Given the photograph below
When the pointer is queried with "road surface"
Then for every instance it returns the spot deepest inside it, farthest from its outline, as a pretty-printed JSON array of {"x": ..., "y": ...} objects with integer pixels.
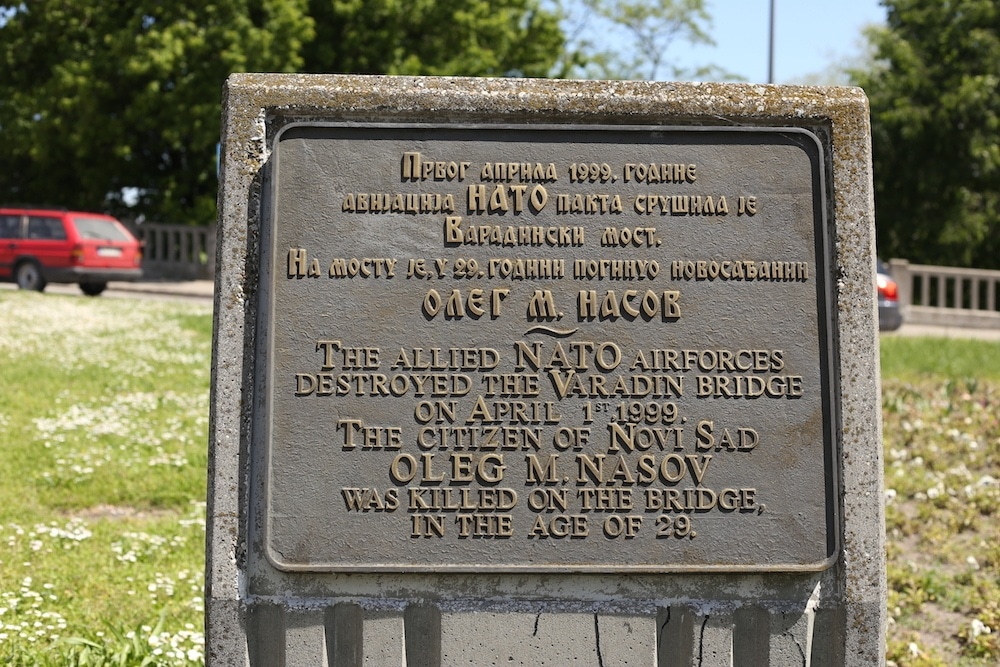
[
  {"x": 192, "y": 290},
  {"x": 202, "y": 290}
]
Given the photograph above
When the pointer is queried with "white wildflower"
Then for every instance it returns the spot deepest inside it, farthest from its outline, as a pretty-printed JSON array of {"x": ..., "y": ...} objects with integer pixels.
[{"x": 980, "y": 628}]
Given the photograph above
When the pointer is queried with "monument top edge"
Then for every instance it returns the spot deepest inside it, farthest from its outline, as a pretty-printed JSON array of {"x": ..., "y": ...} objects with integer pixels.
[{"x": 726, "y": 102}]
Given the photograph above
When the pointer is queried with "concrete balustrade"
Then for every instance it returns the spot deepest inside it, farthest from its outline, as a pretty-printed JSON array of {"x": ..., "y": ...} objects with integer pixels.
[
  {"x": 176, "y": 252},
  {"x": 947, "y": 296}
]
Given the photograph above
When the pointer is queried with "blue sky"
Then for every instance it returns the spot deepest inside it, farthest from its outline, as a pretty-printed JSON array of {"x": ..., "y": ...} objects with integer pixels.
[{"x": 810, "y": 35}]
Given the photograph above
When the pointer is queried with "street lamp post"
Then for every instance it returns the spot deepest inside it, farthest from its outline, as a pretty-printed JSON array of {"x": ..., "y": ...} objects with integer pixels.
[{"x": 770, "y": 46}]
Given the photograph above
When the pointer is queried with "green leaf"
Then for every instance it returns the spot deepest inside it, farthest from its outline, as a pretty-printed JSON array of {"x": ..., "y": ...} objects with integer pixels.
[{"x": 934, "y": 88}]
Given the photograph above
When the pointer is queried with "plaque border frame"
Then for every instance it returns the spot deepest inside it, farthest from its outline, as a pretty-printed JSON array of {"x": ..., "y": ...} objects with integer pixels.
[{"x": 822, "y": 241}]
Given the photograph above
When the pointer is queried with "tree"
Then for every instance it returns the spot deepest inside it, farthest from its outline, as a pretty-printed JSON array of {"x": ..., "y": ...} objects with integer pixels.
[
  {"x": 936, "y": 131},
  {"x": 103, "y": 103},
  {"x": 647, "y": 30},
  {"x": 100, "y": 101},
  {"x": 434, "y": 37}
]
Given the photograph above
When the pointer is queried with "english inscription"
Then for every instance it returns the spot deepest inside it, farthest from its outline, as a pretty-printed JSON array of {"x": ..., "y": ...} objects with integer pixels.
[{"x": 597, "y": 349}]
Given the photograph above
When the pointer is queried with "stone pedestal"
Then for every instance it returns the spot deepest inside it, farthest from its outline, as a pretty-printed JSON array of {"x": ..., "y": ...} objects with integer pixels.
[{"x": 544, "y": 372}]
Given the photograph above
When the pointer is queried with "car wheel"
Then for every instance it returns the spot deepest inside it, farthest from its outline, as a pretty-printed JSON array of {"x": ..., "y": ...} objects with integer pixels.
[
  {"x": 29, "y": 276},
  {"x": 92, "y": 289}
]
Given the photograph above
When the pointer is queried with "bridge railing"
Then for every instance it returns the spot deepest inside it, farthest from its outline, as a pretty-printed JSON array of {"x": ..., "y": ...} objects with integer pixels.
[
  {"x": 947, "y": 296},
  {"x": 176, "y": 252},
  {"x": 935, "y": 295}
]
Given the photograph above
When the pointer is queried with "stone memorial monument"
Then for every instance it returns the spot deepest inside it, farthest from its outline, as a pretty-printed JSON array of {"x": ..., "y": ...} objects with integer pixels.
[{"x": 544, "y": 373}]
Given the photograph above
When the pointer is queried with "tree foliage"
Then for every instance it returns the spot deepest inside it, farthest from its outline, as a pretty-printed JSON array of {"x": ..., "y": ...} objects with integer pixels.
[
  {"x": 433, "y": 37},
  {"x": 646, "y": 32},
  {"x": 104, "y": 101},
  {"x": 936, "y": 131},
  {"x": 102, "y": 98}
]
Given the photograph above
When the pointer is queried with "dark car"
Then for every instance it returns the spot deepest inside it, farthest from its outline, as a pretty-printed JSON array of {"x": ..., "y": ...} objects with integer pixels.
[
  {"x": 41, "y": 246},
  {"x": 890, "y": 317}
]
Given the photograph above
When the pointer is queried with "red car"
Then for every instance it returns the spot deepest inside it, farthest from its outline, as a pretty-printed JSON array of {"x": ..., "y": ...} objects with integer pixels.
[
  {"x": 890, "y": 317},
  {"x": 41, "y": 246}
]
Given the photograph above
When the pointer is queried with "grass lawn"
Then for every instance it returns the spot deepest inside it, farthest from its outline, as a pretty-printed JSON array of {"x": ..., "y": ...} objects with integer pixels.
[
  {"x": 104, "y": 424},
  {"x": 941, "y": 424}
]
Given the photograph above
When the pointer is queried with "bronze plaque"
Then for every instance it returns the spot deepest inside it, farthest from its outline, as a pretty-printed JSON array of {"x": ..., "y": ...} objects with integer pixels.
[{"x": 539, "y": 348}]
